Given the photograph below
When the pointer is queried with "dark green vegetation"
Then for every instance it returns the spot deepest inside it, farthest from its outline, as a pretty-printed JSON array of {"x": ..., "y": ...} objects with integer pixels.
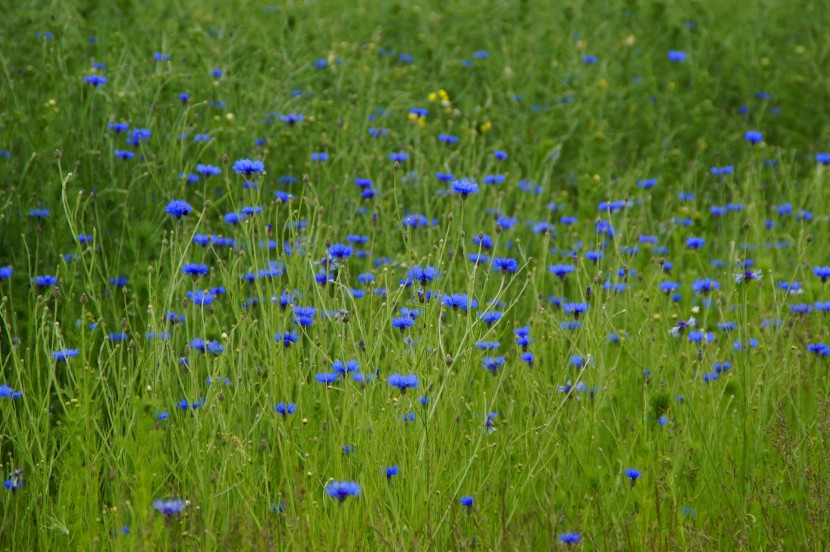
[{"x": 728, "y": 456}]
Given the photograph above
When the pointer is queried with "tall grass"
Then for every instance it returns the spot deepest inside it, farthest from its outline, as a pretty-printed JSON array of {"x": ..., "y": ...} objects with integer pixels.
[{"x": 542, "y": 448}]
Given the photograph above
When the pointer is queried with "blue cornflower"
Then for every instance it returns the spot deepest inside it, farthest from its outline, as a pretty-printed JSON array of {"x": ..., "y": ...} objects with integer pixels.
[
  {"x": 527, "y": 357},
  {"x": 505, "y": 264},
  {"x": 459, "y": 301},
  {"x": 95, "y": 80},
  {"x": 595, "y": 256},
  {"x": 488, "y": 345},
  {"x": 341, "y": 490},
  {"x": 447, "y": 138},
  {"x": 126, "y": 155},
  {"x": 669, "y": 287},
  {"x": 464, "y": 187},
  {"x": 195, "y": 269},
  {"x": 493, "y": 179},
  {"x": 158, "y": 56},
  {"x": 698, "y": 336},
  {"x": 292, "y": 119},
  {"x": 7, "y": 392},
  {"x": 647, "y": 183},
  {"x": 676, "y": 56},
  {"x": 822, "y": 272},
  {"x": 327, "y": 378},
  {"x": 170, "y": 507},
  {"x": 208, "y": 170},
  {"x": 704, "y": 286},
  {"x": 15, "y": 481},
  {"x": 342, "y": 368},
  {"x": 561, "y": 270},
  {"x": 569, "y": 538},
  {"x": 403, "y": 322},
  {"x": 40, "y": 212},
  {"x": 753, "y": 136},
  {"x": 64, "y": 354},
  {"x": 118, "y": 127},
  {"x": 5, "y": 273},
  {"x": 490, "y": 317},
  {"x": 340, "y": 251},
  {"x": 493, "y": 364},
  {"x": 575, "y": 308},
  {"x": 45, "y": 280},
  {"x": 484, "y": 241},
  {"x": 217, "y": 73},
  {"x": 201, "y": 297},
  {"x": 399, "y": 157},
  {"x": 248, "y": 168},
  {"x": 751, "y": 343},
  {"x": 391, "y": 471},
  {"x": 287, "y": 338},
  {"x": 403, "y": 382},
  {"x": 633, "y": 475},
  {"x": 178, "y": 208},
  {"x": 320, "y": 156},
  {"x": 823, "y": 158},
  {"x": 801, "y": 308},
  {"x": 695, "y": 243},
  {"x": 579, "y": 361},
  {"x": 284, "y": 409},
  {"x": 819, "y": 349},
  {"x": 466, "y": 501},
  {"x": 500, "y": 155},
  {"x": 138, "y": 136},
  {"x": 423, "y": 275}
]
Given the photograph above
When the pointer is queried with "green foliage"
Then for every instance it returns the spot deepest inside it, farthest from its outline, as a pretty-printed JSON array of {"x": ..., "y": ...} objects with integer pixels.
[{"x": 729, "y": 462}]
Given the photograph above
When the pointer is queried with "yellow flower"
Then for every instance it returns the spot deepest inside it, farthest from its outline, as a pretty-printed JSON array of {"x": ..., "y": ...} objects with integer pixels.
[
  {"x": 432, "y": 97},
  {"x": 486, "y": 126}
]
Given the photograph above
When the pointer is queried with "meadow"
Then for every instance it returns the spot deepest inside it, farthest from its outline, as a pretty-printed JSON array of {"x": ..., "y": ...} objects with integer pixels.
[{"x": 414, "y": 275}]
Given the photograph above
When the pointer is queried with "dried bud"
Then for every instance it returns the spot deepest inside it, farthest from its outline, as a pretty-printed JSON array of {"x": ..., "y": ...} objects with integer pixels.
[
  {"x": 58, "y": 154},
  {"x": 84, "y": 298},
  {"x": 225, "y": 158}
]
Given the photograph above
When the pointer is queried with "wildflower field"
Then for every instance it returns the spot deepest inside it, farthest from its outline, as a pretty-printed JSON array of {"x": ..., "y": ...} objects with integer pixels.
[{"x": 415, "y": 275}]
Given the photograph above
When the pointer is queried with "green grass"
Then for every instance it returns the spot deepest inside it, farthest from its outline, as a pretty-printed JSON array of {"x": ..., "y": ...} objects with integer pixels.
[{"x": 739, "y": 462}]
